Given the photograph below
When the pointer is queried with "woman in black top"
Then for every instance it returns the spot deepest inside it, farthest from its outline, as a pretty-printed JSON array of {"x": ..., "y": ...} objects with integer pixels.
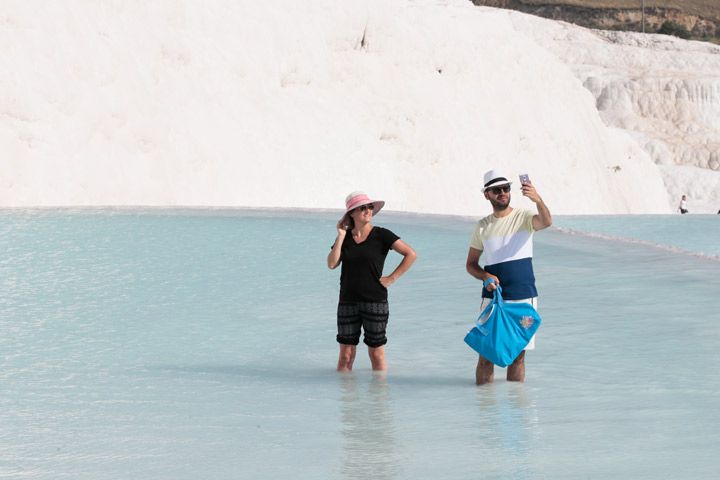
[{"x": 363, "y": 289}]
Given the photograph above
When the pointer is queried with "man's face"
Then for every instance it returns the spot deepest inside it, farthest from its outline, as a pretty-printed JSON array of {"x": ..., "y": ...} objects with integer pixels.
[{"x": 499, "y": 197}]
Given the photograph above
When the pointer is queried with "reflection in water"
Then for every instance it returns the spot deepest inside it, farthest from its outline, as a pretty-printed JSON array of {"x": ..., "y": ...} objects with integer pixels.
[
  {"x": 368, "y": 430},
  {"x": 509, "y": 426}
]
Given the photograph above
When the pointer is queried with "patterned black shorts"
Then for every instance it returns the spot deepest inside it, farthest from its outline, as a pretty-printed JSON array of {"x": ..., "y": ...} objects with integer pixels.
[{"x": 371, "y": 316}]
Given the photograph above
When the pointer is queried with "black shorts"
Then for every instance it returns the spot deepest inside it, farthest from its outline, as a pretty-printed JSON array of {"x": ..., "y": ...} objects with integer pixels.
[{"x": 371, "y": 316}]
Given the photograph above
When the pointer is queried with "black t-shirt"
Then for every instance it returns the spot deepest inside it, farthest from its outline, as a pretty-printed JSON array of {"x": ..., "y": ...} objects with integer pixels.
[{"x": 362, "y": 266}]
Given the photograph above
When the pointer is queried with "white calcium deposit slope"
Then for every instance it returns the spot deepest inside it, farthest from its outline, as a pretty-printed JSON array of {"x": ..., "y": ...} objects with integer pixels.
[
  {"x": 663, "y": 90},
  {"x": 295, "y": 104}
]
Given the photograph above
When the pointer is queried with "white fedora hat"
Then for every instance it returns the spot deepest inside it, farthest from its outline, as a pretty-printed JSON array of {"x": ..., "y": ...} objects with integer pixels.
[{"x": 494, "y": 178}]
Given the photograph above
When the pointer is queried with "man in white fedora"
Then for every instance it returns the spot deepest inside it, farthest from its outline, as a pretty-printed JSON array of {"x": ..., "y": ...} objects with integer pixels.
[{"x": 504, "y": 239}]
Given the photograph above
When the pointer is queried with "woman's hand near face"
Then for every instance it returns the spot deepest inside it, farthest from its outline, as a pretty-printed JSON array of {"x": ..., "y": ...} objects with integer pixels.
[
  {"x": 342, "y": 226},
  {"x": 333, "y": 259}
]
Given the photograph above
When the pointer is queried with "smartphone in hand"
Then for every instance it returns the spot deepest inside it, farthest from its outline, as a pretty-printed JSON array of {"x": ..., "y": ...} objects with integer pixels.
[{"x": 524, "y": 179}]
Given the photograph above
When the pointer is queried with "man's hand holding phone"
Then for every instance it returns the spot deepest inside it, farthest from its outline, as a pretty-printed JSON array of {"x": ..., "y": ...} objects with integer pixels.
[{"x": 527, "y": 188}]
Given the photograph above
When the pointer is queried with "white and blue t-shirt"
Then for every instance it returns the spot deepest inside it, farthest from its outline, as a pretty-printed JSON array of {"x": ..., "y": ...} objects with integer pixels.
[{"x": 507, "y": 248}]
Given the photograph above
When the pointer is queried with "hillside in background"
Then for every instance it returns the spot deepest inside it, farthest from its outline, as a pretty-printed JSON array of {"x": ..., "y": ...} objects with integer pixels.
[
  {"x": 282, "y": 104},
  {"x": 661, "y": 90},
  {"x": 697, "y": 19}
]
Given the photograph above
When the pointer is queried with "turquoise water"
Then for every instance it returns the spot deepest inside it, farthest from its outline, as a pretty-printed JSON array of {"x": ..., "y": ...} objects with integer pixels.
[
  {"x": 698, "y": 234},
  {"x": 200, "y": 344}
]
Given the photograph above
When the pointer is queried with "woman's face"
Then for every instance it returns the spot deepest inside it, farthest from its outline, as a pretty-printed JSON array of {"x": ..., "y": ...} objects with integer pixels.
[{"x": 363, "y": 213}]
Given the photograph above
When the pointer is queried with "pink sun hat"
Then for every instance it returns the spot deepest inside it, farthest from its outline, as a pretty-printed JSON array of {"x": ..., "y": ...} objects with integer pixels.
[{"x": 358, "y": 199}]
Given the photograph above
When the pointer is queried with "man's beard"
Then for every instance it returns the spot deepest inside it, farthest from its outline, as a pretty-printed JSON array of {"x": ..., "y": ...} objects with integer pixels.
[{"x": 500, "y": 206}]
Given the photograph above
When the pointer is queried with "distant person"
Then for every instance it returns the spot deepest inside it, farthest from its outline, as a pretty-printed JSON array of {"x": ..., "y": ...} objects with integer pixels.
[
  {"x": 363, "y": 288},
  {"x": 505, "y": 239},
  {"x": 683, "y": 205}
]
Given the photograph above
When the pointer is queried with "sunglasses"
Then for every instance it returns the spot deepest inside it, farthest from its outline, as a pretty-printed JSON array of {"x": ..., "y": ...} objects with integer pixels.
[
  {"x": 499, "y": 190},
  {"x": 362, "y": 208}
]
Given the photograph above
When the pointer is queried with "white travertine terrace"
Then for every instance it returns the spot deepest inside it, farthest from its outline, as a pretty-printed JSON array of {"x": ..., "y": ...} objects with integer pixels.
[{"x": 295, "y": 104}]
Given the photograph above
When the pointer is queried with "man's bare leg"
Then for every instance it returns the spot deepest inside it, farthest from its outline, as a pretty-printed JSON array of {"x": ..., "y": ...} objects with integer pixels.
[
  {"x": 484, "y": 373},
  {"x": 516, "y": 371},
  {"x": 346, "y": 358},
  {"x": 377, "y": 358}
]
